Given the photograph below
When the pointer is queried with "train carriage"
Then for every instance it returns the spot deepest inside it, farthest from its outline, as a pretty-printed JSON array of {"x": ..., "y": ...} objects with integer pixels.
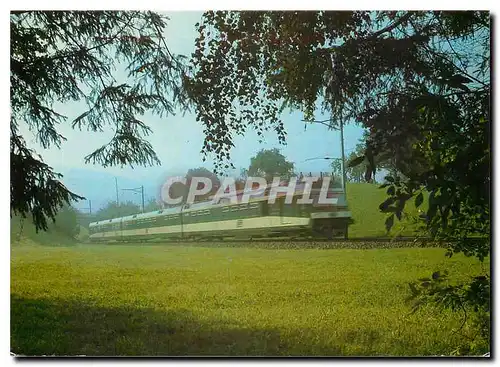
[{"x": 257, "y": 218}]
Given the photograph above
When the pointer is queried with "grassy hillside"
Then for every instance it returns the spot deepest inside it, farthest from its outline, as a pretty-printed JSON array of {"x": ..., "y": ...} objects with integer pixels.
[
  {"x": 22, "y": 232},
  {"x": 364, "y": 200}
]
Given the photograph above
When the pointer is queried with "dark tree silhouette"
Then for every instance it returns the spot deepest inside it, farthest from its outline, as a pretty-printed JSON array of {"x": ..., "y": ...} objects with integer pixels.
[
  {"x": 419, "y": 82},
  {"x": 71, "y": 56}
]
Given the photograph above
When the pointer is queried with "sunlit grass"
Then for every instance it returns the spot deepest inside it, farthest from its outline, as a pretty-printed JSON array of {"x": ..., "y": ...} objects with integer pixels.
[
  {"x": 167, "y": 300},
  {"x": 364, "y": 200}
]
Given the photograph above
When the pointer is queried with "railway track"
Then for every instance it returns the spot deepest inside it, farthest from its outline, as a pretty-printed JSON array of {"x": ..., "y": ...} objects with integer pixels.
[
  {"x": 302, "y": 240},
  {"x": 301, "y": 243}
]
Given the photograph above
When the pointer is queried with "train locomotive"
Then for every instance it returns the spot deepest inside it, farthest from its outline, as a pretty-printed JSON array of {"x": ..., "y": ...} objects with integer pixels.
[{"x": 257, "y": 218}]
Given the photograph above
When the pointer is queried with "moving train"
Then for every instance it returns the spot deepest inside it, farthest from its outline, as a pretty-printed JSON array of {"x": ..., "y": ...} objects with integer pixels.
[{"x": 256, "y": 219}]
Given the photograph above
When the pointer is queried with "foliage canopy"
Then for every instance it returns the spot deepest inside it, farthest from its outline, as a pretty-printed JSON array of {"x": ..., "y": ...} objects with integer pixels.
[
  {"x": 57, "y": 57},
  {"x": 419, "y": 82},
  {"x": 269, "y": 163}
]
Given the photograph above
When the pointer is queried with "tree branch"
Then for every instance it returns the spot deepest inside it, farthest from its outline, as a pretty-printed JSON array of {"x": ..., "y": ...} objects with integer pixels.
[
  {"x": 389, "y": 28},
  {"x": 322, "y": 122},
  {"x": 82, "y": 49}
]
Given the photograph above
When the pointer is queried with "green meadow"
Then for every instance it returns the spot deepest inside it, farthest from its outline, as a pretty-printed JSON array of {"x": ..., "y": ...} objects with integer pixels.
[
  {"x": 190, "y": 300},
  {"x": 74, "y": 298}
]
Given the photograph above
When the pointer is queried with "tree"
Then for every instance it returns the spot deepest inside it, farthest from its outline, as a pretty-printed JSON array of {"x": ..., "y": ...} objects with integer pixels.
[
  {"x": 203, "y": 172},
  {"x": 178, "y": 189},
  {"x": 67, "y": 221},
  {"x": 151, "y": 206},
  {"x": 353, "y": 173},
  {"x": 244, "y": 173},
  {"x": 113, "y": 210},
  {"x": 269, "y": 163},
  {"x": 84, "y": 218},
  {"x": 356, "y": 173},
  {"x": 419, "y": 82},
  {"x": 66, "y": 56},
  {"x": 336, "y": 174}
]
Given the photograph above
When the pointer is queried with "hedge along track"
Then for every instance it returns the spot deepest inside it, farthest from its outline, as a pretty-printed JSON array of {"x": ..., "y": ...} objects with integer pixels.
[{"x": 302, "y": 243}]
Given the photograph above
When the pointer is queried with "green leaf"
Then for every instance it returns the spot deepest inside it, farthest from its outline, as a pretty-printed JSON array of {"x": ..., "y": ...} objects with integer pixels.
[
  {"x": 389, "y": 222},
  {"x": 385, "y": 205},
  {"x": 424, "y": 279},
  {"x": 419, "y": 199},
  {"x": 391, "y": 190},
  {"x": 356, "y": 161},
  {"x": 413, "y": 289}
]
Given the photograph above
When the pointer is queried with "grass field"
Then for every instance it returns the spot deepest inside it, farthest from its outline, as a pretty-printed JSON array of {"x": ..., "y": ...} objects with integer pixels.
[
  {"x": 168, "y": 300},
  {"x": 69, "y": 298},
  {"x": 364, "y": 200}
]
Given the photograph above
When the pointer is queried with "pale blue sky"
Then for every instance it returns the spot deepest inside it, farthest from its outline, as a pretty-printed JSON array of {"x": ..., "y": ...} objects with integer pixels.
[{"x": 178, "y": 139}]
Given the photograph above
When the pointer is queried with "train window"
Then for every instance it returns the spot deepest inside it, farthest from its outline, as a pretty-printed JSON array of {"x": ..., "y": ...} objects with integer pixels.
[
  {"x": 225, "y": 210},
  {"x": 234, "y": 208},
  {"x": 206, "y": 212},
  {"x": 160, "y": 211},
  {"x": 265, "y": 208}
]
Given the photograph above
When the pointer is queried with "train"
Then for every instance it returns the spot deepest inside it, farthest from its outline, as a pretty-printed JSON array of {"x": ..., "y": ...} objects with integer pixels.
[{"x": 257, "y": 218}]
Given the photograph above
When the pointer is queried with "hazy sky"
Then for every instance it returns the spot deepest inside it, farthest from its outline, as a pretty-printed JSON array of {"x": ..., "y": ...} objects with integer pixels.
[{"x": 178, "y": 139}]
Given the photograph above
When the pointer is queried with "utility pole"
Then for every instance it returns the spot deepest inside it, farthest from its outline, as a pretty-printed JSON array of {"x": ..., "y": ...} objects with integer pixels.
[
  {"x": 142, "y": 194},
  {"x": 341, "y": 128},
  {"x": 116, "y": 186},
  {"x": 137, "y": 190},
  {"x": 344, "y": 176},
  {"x": 89, "y": 208},
  {"x": 82, "y": 217}
]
